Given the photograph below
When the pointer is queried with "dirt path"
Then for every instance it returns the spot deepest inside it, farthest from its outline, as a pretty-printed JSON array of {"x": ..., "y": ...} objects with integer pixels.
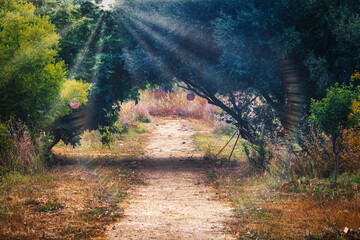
[{"x": 174, "y": 203}]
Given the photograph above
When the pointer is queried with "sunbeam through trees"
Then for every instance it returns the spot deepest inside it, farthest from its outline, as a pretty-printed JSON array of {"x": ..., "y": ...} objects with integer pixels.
[{"x": 278, "y": 77}]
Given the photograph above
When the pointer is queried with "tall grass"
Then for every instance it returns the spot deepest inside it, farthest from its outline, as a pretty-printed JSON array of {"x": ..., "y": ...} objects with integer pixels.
[{"x": 20, "y": 153}]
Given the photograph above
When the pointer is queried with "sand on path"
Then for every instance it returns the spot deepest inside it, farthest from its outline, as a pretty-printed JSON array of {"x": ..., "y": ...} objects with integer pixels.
[{"x": 174, "y": 202}]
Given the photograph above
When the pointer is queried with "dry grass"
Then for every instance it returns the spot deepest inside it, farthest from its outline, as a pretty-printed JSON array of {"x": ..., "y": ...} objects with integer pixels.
[
  {"x": 77, "y": 199},
  {"x": 20, "y": 153},
  {"x": 271, "y": 214},
  {"x": 211, "y": 137},
  {"x": 158, "y": 103}
]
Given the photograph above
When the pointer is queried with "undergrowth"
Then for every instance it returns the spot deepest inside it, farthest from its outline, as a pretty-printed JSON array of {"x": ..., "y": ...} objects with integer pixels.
[{"x": 291, "y": 199}]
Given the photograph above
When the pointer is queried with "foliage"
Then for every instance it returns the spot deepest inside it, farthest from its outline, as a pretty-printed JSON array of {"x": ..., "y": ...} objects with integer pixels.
[
  {"x": 351, "y": 137},
  {"x": 75, "y": 89},
  {"x": 91, "y": 44},
  {"x": 107, "y": 136},
  {"x": 31, "y": 76},
  {"x": 142, "y": 118},
  {"x": 259, "y": 61},
  {"x": 331, "y": 114},
  {"x": 259, "y": 156}
]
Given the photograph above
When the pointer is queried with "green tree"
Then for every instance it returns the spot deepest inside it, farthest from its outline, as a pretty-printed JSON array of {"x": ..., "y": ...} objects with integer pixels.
[
  {"x": 92, "y": 42},
  {"x": 331, "y": 115},
  {"x": 31, "y": 76}
]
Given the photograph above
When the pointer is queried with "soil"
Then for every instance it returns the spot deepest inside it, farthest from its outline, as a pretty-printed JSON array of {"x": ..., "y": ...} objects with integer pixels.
[{"x": 175, "y": 202}]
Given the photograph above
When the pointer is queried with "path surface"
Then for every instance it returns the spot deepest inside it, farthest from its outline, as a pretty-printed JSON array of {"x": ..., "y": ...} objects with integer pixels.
[{"x": 174, "y": 203}]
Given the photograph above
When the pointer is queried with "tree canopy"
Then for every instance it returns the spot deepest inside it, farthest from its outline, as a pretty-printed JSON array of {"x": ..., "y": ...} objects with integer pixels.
[
  {"x": 31, "y": 76},
  {"x": 260, "y": 61}
]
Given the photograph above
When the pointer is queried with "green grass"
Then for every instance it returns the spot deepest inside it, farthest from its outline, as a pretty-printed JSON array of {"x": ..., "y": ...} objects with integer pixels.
[
  {"x": 347, "y": 185},
  {"x": 213, "y": 143},
  {"x": 133, "y": 131},
  {"x": 51, "y": 206}
]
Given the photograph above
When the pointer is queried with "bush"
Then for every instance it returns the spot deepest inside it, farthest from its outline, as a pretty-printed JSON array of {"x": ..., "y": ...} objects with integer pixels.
[{"x": 142, "y": 118}]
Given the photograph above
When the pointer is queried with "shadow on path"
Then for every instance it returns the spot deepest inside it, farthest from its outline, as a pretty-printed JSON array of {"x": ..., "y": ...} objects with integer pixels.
[{"x": 174, "y": 202}]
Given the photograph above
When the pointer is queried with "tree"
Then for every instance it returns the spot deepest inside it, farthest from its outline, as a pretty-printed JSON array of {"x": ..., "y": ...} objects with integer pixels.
[
  {"x": 33, "y": 87},
  {"x": 91, "y": 45},
  {"x": 31, "y": 76},
  {"x": 331, "y": 115},
  {"x": 260, "y": 61},
  {"x": 221, "y": 54}
]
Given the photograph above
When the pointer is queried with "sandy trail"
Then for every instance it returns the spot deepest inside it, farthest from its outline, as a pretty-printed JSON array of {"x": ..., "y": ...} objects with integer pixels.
[{"x": 174, "y": 203}]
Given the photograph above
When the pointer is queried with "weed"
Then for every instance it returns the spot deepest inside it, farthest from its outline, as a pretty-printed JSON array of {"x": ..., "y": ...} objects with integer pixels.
[
  {"x": 51, "y": 206},
  {"x": 140, "y": 129}
]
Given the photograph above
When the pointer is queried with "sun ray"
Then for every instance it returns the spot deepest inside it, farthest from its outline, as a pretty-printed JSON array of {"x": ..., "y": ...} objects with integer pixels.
[
  {"x": 83, "y": 52},
  {"x": 177, "y": 50},
  {"x": 99, "y": 49}
]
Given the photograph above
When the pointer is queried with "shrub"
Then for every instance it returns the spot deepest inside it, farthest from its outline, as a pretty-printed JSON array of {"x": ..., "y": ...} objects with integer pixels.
[{"x": 142, "y": 118}]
